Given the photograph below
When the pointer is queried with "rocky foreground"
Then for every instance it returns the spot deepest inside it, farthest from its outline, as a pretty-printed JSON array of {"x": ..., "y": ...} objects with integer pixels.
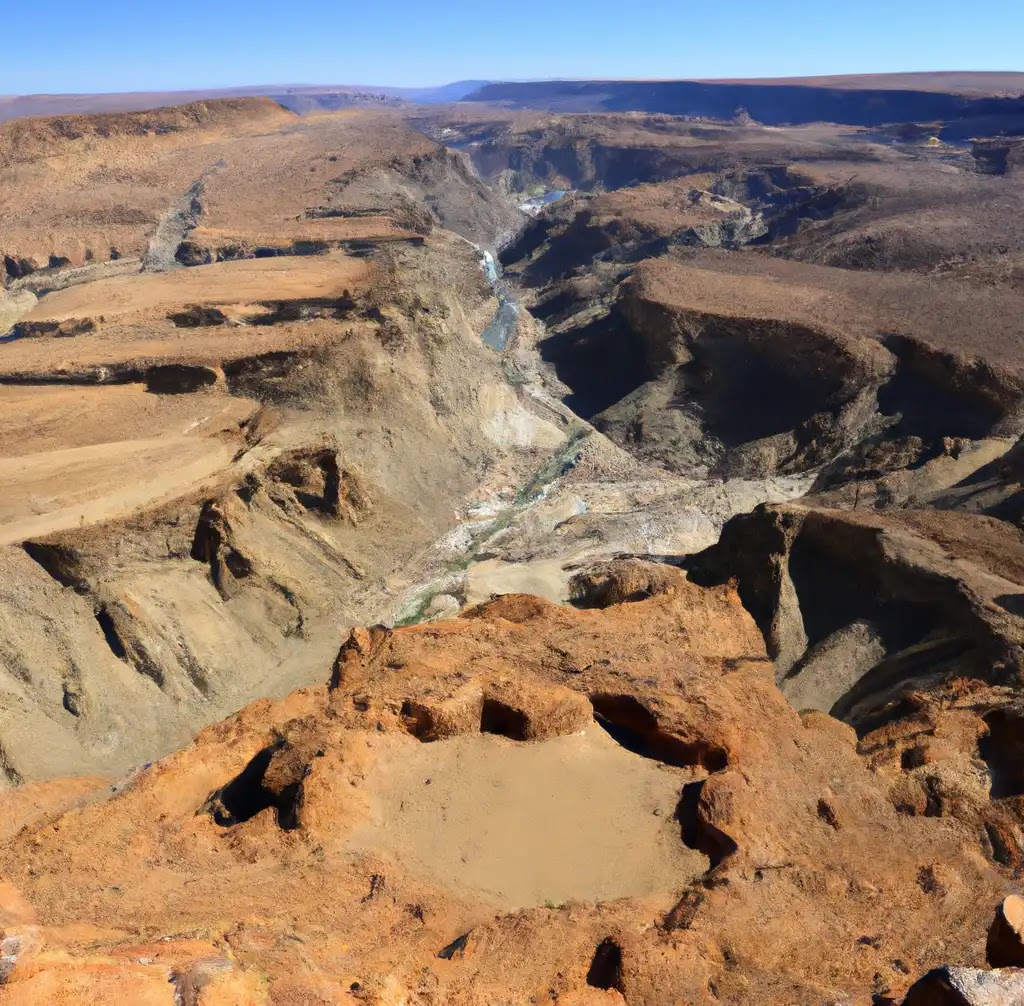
[
  {"x": 238, "y": 868},
  {"x": 241, "y": 867}
]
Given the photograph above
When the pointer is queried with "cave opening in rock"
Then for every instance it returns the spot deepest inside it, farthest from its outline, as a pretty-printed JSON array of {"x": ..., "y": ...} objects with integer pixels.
[
  {"x": 696, "y": 831},
  {"x": 110, "y": 634},
  {"x": 629, "y": 723},
  {"x": 606, "y": 966},
  {"x": 1001, "y": 846},
  {"x": 454, "y": 949},
  {"x": 1002, "y": 749},
  {"x": 179, "y": 379},
  {"x": 288, "y": 803},
  {"x": 498, "y": 718},
  {"x": 247, "y": 795}
]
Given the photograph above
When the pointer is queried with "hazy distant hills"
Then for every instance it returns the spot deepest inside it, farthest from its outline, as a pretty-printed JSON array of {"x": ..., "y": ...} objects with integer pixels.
[
  {"x": 859, "y": 101},
  {"x": 438, "y": 95},
  {"x": 981, "y": 102},
  {"x": 299, "y": 97}
]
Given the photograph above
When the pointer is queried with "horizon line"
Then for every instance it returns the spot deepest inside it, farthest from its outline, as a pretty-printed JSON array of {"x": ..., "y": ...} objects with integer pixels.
[{"x": 506, "y": 80}]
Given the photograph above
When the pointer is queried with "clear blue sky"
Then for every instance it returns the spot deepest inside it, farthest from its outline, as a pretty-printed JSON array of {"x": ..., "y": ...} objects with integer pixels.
[{"x": 121, "y": 45}]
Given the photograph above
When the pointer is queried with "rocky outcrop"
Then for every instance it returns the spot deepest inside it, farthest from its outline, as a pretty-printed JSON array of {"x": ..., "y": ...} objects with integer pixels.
[
  {"x": 778, "y": 812},
  {"x": 19, "y": 266},
  {"x": 860, "y": 611},
  {"x": 950, "y": 986},
  {"x": 620, "y": 581},
  {"x": 191, "y": 253},
  {"x": 792, "y": 380},
  {"x": 998, "y": 156},
  {"x": 1005, "y": 947},
  {"x": 67, "y": 329},
  {"x": 994, "y": 489},
  {"x": 698, "y": 390},
  {"x": 768, "y": 408}
]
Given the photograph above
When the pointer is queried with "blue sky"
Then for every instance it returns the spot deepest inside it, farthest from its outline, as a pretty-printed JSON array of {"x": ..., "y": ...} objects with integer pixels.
[{"x": 119, "y": 45}]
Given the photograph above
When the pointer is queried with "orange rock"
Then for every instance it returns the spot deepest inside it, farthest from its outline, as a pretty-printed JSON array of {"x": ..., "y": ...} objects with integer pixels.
[
  {"x": 1005, "y": 948},
  {"x": 592, "y": 997},
  {"x": 92, "y": 985},
  {"x": 787, "y": 835}
]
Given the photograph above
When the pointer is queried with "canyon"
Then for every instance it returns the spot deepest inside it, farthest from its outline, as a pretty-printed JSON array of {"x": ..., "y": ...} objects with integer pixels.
[{"x": 548, "y": 547}]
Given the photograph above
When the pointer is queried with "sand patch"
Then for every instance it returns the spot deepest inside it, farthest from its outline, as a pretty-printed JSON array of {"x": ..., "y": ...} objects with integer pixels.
[
  {"x": 576, "y": 817},
  {"x": 547, "y": 578}
]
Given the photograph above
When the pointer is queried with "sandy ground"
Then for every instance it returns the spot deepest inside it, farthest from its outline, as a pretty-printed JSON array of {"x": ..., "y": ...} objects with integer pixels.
[
  {"x": 14, "y": 307},
  {"x": 239, "y": 282},
  {"x": 322, "y": 229},
  {"x": 26, "y": 804},
  {"x": 59, "y": 417},
  {"x": 58, "y": 490},
  {"x": 576, "y": 817},
  {"x": 77, "y": 455},
  {"x": 149, "y": 343},
  {"x": 547, "y": 578}
]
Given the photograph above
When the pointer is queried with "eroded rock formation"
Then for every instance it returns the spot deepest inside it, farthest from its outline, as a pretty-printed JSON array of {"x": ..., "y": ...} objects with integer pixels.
[{"x": 777, "y": 815}]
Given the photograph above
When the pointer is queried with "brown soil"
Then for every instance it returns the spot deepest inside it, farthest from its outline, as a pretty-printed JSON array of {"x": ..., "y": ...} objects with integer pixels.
[
  {"x": 77, "y": 192},
  {"x": 962, "y": 320},
  {"x": 241, "y": 283}
]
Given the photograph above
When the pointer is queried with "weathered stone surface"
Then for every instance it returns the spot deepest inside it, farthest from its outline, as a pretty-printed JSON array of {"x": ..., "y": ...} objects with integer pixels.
[
  {"x": 950, "y": 986},
  {"x": 894, "y": 602}
]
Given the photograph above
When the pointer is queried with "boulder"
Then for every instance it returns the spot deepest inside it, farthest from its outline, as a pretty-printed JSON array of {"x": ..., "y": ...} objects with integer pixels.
[
  {"x": 950, "y": 986},
  {"x": 1005, "y": 948},
  {"x": 18, "y": 953},
  {"x": 443, "y": 606},
  {"x": 189, "y": 253}
]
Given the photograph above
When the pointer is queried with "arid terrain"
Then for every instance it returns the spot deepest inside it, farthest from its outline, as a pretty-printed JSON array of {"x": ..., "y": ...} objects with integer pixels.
[{"x": 527, "y": 550}]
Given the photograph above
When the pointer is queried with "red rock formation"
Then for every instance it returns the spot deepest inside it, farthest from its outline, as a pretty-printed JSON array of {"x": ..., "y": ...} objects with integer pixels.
[{"x": 247, "y": 842}]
